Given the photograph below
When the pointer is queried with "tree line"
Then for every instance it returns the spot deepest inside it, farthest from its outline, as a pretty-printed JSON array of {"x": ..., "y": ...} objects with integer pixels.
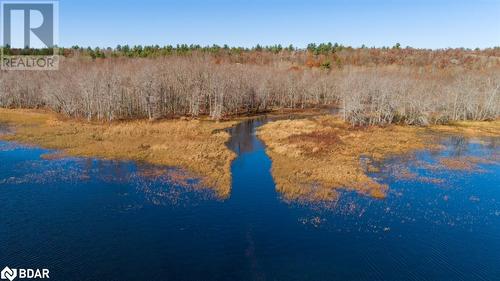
[
  {"x": 327, "y": 52},
  {"x": 204, "y": 84}
]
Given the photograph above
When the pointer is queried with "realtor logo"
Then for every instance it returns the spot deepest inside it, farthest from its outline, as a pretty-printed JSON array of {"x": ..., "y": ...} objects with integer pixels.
[
  {"x": 8, "y": 273},
  {"x": 29, "y": 35}
]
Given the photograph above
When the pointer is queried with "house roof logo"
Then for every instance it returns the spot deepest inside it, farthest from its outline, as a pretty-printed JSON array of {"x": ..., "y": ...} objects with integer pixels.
[{"x": 8, "y": 273}]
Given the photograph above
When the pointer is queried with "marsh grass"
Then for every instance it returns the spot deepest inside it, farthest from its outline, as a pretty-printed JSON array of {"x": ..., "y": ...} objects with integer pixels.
[
  {"x": 315, "y": 157},
  {"x": 466, "y": 163},
  {"x": 198, "y": 146},
  {"x": 312, "y": 157},
  {"x": 470, "y": 129}
]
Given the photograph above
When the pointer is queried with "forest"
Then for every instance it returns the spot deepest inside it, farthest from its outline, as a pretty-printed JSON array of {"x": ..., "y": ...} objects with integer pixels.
[{"x": 370, "y": 86}]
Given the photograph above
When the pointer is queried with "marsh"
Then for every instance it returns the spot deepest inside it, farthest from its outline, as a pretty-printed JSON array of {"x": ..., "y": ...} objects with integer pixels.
[{"x": 154, "y": 222}]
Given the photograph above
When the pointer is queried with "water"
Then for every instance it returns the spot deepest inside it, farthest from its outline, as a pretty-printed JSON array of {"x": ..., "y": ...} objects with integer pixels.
[{"x": 88, "y": 219}]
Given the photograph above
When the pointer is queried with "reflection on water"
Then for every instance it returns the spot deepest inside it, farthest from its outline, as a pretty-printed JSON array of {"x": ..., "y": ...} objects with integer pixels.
[
  {"x": 242, "y": 139},
  {"x": 158, "y": 185},
  {"x": 101, "y": 220},
  {"x": 458, "y": 146}
]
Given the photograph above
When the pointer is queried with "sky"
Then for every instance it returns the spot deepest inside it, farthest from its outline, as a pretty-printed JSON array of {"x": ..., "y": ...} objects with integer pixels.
[{"x": 417, "y": 23}]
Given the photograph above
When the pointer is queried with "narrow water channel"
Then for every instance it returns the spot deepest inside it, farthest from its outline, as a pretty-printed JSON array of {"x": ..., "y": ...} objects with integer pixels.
[{"x": 90, "y": 219}]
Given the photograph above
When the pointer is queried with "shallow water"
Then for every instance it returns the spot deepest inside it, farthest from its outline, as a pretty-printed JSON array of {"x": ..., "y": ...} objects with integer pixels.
[{"x": 88, "y": 219}]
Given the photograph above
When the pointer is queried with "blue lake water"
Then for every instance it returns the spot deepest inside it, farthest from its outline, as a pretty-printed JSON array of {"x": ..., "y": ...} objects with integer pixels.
[{"x": 89, "y": 219}]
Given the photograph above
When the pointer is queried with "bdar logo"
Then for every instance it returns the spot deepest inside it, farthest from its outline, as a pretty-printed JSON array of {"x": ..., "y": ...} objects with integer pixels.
[
  {"x": 24, "y": 273},
  {"x": 8, "y": 273}
]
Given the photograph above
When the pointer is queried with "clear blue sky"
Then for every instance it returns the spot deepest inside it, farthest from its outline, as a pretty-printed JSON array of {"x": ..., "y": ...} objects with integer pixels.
[{"x": 418, "y": 23}]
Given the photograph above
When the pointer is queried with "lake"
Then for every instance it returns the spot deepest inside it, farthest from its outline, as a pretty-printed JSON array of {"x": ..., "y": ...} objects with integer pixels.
[{"x": 90, "y": 219}]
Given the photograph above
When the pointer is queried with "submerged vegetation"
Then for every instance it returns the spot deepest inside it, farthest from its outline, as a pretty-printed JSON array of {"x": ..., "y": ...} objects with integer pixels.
[
  {"x": 312, "y": 158},
  {"x": 196, "y": 145},
  {"x": 372, "y": 86}
]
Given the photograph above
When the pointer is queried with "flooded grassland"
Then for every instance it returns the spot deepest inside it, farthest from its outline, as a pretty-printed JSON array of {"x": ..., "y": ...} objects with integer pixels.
[
  {"x": 198, "y": 146},
  {"x": 314, "y": 157},
  {"x": 116, "y": 216}
]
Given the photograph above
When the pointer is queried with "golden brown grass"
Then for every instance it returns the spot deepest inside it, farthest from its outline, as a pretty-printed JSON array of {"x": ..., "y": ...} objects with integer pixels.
[
  {"x": 470, "y": 128},
  {"x": 311, "y": 157},
  {"x": 198, "y": 146},
  {"x": 466, "y": 163},
  {"x": 314, "y": 157}
]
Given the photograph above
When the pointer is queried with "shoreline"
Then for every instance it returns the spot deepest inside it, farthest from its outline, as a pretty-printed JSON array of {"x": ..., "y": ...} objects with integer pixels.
[
  {"x": 198, "y": 146},
  {"x": 313, "y": 156}
]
